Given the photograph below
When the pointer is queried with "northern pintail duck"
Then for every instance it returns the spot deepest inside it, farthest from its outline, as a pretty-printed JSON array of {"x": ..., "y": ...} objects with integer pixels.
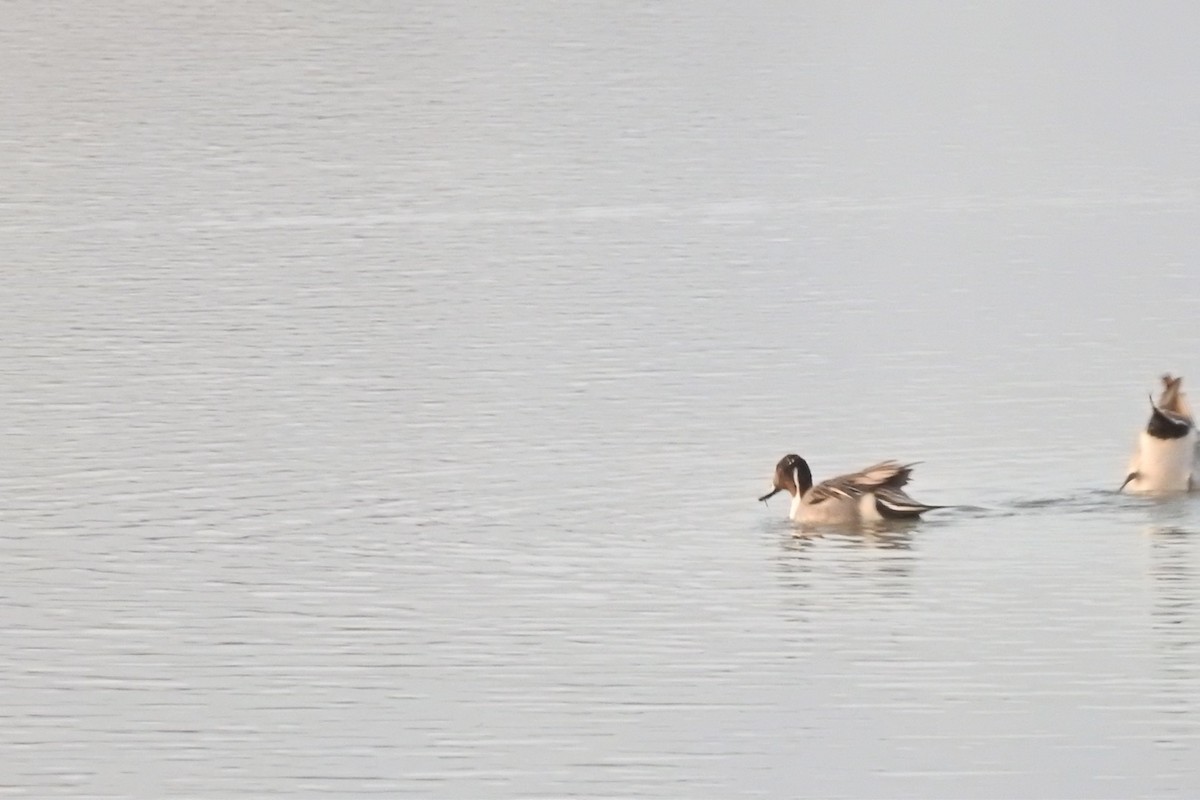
[
  {"x": 1166, "y": 450},
  {"x": 873, "y": 495}
]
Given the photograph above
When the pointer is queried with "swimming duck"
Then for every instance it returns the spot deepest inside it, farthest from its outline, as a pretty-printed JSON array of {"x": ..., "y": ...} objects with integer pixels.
[
  {"x": 1166, "y": 450},
  {"x": 872, "y": 495}
]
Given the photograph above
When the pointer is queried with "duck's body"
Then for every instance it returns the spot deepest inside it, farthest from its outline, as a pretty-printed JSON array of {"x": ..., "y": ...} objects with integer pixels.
[
  {"x": 1164, "y": 461},
  {"x": 875, "y": 494}
]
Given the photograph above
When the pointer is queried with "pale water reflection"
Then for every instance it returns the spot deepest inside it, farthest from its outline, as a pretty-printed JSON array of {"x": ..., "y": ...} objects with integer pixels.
[{"x": 387, "y": 387}]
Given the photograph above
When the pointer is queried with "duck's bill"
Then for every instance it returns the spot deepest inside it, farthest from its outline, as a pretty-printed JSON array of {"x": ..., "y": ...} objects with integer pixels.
[{"x": 770, "y": 494}]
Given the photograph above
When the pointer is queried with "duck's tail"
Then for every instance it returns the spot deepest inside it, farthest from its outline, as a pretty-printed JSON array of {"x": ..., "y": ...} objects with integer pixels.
[
  {"x": 894, "y": 504},
  {"x": 1172, "y": 399}
]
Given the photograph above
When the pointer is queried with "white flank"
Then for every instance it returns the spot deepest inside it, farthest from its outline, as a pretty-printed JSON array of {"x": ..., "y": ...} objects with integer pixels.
[
  {"x": 867, "y": 510},
  {"x": 831, "y": 511}
]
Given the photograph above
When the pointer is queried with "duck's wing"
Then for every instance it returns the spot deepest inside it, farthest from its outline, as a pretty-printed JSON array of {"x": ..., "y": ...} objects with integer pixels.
[{"x": 890, "y": 475}]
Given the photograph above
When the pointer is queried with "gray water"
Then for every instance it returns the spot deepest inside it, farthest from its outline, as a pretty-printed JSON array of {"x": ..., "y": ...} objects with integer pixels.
[{"x": 387, "y": 388}]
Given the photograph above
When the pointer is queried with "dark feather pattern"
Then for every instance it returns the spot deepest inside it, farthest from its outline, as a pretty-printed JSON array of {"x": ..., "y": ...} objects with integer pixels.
[
  {"x": 884, "y": 475},
  {"x": 1167, "y": 425},
  {"x": 895, "y": 504}
]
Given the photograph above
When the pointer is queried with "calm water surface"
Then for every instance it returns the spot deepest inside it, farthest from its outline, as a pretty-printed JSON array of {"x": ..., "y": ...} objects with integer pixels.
[{"x": 386, "y": 392}]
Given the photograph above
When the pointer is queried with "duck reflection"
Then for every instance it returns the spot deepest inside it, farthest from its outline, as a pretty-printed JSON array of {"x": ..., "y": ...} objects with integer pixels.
[
  {"x": 1173, "y": 551},
  {"x": 879, "y": 560},
  {"x": 1175, "y": 626}
]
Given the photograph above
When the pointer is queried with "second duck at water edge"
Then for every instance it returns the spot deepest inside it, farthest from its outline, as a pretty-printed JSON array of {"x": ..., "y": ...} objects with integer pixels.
[{"x": 1166, "y": 450}]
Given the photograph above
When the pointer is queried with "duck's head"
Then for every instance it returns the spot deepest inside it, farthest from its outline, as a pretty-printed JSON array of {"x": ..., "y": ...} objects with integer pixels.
[{"x": 792, "y": 475}]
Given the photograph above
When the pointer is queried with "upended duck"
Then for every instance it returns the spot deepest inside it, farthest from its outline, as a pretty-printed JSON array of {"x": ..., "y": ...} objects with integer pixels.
[{"x": 1165, "y": 457}]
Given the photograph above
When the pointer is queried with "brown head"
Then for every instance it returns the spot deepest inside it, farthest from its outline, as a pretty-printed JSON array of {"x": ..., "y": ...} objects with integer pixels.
[{"x": 792, "y": 475}]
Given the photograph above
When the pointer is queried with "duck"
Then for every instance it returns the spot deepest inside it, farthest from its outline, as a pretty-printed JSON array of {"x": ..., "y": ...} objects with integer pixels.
[
  {"x": 1164, "y": 460},
  {"x": 875, "y": 494}
]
